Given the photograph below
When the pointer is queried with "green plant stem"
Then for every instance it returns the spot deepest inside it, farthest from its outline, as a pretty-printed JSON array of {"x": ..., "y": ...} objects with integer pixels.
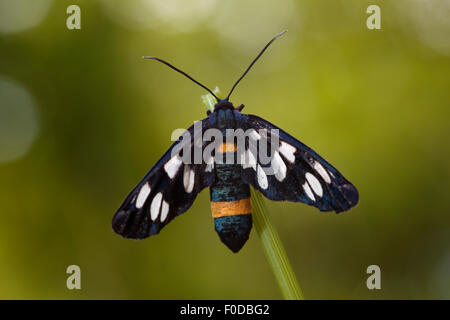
[{"x": 274, "y": 250}]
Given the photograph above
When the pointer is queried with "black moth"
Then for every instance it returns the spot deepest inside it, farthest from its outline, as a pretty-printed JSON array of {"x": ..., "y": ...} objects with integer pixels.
[{"x": 170, "y": 187}]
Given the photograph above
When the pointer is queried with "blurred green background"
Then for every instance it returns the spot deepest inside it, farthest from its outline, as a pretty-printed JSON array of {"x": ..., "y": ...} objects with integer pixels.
[{"x": 83, "y": 118}]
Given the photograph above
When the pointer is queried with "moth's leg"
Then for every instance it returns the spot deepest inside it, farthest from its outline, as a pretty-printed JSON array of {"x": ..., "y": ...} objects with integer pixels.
[{"x": 239, "y": 108}]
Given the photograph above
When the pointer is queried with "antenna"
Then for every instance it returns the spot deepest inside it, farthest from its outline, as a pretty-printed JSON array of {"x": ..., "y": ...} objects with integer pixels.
[
  {"x": 253, "y": 62},
  {"x": 184, "y": 74}
]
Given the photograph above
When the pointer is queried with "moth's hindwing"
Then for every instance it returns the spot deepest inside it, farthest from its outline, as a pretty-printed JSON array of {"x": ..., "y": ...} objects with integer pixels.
[
  {"x": 166, "y": 191},
  {"x": 300, "y": 173}
]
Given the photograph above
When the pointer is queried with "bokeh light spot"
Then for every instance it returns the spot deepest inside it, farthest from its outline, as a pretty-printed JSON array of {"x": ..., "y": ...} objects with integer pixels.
[
  {"x": 19, "y": 15},
  {"x": 430, "y": 21},
  {"x": 18, "y": 120},
  {"x": 167, "y": 16},
  {"x": 245, "y": 27}
]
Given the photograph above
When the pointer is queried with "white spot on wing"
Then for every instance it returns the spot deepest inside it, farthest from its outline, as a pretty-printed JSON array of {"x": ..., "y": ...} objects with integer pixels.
[
  {"x": 308, "y": 191},
  {"x": 278, "y": 166},
  {"x": 142, "y": 196},
  {"x": 323, "y": 173},
  {"x": 287, "y": 151},
  {"x": 262, "y": 178},
  {"x": 331, "y": 174},
  {"x": 164, "y": 210},
  {"x": 314, "y": 183},
  {"x": 172, "y": 166},
  {"x": 155, "y": 206},
  {"x": 188, "y": 178}
]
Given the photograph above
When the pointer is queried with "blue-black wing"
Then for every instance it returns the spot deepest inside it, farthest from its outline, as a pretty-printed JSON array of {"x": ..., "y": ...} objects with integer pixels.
[
  {"x": 299, "y": 173},
  {"x": 166, "y": 191}
]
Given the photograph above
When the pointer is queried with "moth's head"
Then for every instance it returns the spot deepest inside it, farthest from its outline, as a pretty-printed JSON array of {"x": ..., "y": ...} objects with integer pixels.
[{"x": 224, "y": 104}]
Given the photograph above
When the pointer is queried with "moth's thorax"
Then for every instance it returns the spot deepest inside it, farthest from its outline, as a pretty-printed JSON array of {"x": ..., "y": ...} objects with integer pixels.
[
  {"x": 225, "y": 119},
  {"x": 225, "y": 114}
]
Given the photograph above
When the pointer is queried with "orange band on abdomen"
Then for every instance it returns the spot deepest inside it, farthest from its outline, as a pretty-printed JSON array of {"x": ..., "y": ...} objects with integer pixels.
[
  {"x": 227, "y": 147},
  {"x": 231, "y": 208}
]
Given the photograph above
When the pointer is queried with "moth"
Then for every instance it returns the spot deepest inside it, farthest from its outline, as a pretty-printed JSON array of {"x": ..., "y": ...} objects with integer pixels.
[{"x": 298, "y": 174}]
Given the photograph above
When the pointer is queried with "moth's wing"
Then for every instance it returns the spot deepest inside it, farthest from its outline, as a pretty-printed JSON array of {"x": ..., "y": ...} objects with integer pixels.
[
  {"x": 300, "y": 173},
  {"x": 166, "y": 191}
]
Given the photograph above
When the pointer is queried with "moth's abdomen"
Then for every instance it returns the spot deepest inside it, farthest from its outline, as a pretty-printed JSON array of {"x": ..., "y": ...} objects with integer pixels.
[
  {"x": 230, "y": 205},
  {"x": 233, "y": 221},
  {"x": 234, "y": 230}
]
